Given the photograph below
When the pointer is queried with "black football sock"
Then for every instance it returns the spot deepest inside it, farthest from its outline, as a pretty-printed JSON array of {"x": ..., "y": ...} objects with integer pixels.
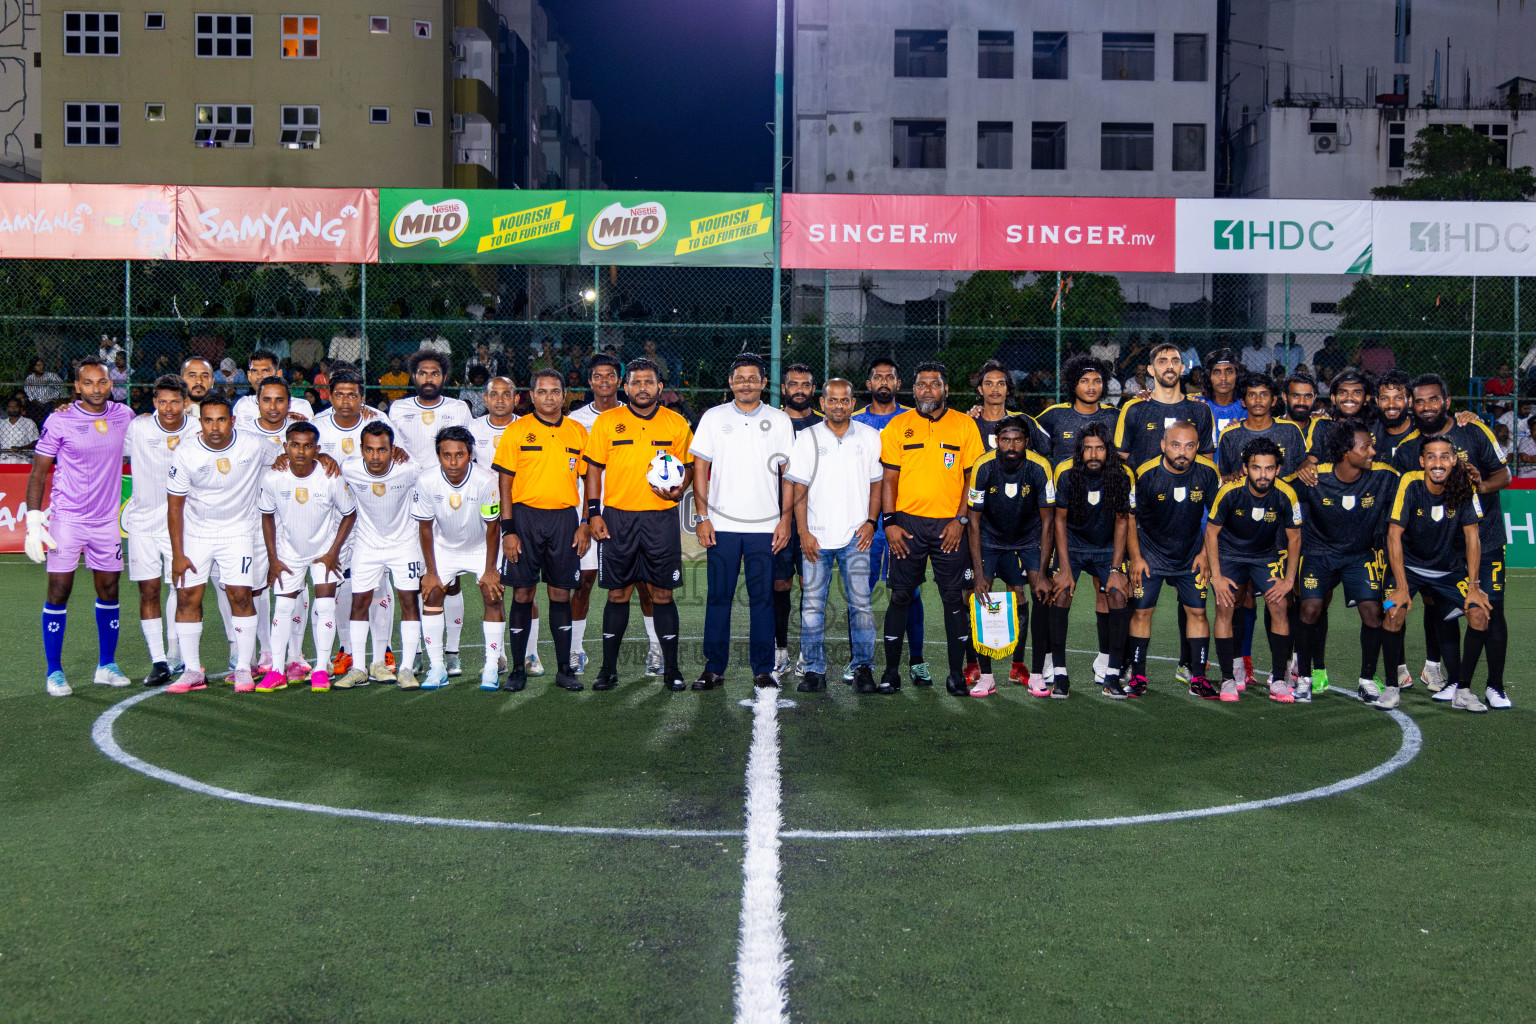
[
  {"x": 1432, "y": 650},
  {"x": 519, "y": 619},
  {"x": 1113, "y": 641},
  {"x": 1101, "y": 625},
  {"x": 780, "y": 619},
  {"x": 1058, "y": 624},
  {"x": 957, "y": 636},
  {"x": 1450, "y": 643},
  {"x": 1472, "y": 649},
  {"x": 666, "y": 631},
  {"x": 1018, "y": 649},
  {"x": 1319, "y": 645},
  {"x": 560, "y": 625},
  {"x": 895, "y": 626},
  {"x": 1279, "y": 656},
  {"x": 1139, "y": 645},
  {"x": 1226, "y": 648},
  {"x": 1370, "y": 651},
  {"x": 1185, "y": 660},
  {"x": 1304, "y": 640},
  {"x": 1199, "y": 655},
  {"x": 1497, "y": 645},
  {"x": 615, "y": 622},
  {"x": 1039, "y": 637},
  {"x": 1119, "y": 632},
  {"x": 1392, "y": 649}
]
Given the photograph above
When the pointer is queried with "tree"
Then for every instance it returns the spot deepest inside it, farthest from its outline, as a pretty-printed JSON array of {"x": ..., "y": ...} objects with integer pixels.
[{"x": 1452, "y": 162}]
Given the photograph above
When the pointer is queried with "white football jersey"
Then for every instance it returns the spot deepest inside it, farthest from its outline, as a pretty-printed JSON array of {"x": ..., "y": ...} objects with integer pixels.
[
  {"x": 487, "y": 437},
  {"x": 272, "y": 441},
  {"x": 149, "y": 448},
  {"x": 458, "y": 514},
  {"x": 343, "y": 443},
  {"x": 307, "y": 510},
  {"x": 384, "y": 521},
  {"x": 247, "y": 410},
  {"x": 221, "y": 486},
  {"x": 416, "y": 428}
]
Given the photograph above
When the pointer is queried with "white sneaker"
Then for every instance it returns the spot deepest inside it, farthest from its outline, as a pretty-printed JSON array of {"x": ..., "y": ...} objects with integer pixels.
[
  {"x": 1240, "y": 674},
  {"x": 1367, "y": 691},
  {"x": 1434, "y": 676},
  {"x": 653, "y": 661},
  {"x": 110, "y": 675},
  {"x": 985, "y": 687},
  {"x": 1445, "y": 693},
  {"x": 532, "y": 665},
  {"x": 1404, "y": 678},
  {"x": 1466, "y": 700},
  {"x": 1497, "y": 698},
  {"x": 1100, "y": 666},
  {"x": 1303, "y": 690},
  {"x": 1049, "y": 671},
  {"x": 780, "y": 663},
  {"x": 1182, "y": 674},
  {"x": 1390, "y": 698},
  {"x": 57, "y": 686},
  {"x": 800, "y": 664}
]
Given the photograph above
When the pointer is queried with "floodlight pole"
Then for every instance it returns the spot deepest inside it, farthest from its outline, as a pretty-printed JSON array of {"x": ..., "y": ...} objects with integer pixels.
[{"x": 776, "y": 314}]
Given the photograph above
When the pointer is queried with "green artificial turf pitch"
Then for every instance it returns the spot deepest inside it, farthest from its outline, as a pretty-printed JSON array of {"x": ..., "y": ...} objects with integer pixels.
[{"x": 129, "y": 899}]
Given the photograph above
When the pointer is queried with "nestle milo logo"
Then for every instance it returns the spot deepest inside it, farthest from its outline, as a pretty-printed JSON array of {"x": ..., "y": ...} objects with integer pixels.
[
  {"x": 639, "y": 225},
  {"x": 1272, "y": 235},
  {"x": 419, "y": 221}
]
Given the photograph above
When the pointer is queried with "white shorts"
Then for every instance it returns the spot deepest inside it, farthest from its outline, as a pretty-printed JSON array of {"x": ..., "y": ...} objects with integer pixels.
[
  {"x": 452, "y": 563},
  {"x": 405, "y": 567},
  {"x": 149, "y": 557},
  {"x": 292, "y": 582},
  {"x": 589, "y": 560},
  {"x": 235, "y": 557}
]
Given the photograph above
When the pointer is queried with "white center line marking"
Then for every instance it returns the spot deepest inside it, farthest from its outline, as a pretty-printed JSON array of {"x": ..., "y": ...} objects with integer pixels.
[{"x": 762, "y": 969}]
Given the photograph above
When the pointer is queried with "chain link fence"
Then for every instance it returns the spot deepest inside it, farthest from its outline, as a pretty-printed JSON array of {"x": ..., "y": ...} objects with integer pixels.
[{"x": 696, "y": 320}]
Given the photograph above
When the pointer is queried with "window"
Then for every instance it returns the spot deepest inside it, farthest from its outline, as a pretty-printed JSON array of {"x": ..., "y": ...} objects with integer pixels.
[
  {"x": 994, "y": 145},
  {"x": 1188, "y": 147},
  {"x": 1048, "y": 146},
  {"x": 422, "y": 30},
  {"x": 1325, "y": 309},
  {"x": 917, "y": 144},
  {"x": 224, "y": 124},
  {"x": 423, "y": 118},
  {"x": 1322, "y": 127},
  {"x": 154, "y": 22},
  {"x": 1188, "y": 57},
  {"x": 91, "y": 34},
  {"x": 301, "y": 128},
  {"x": 223, "y": 35},
  {"x": 1499, "y": 133},
  {"x": 378, "y": 24},
  {"x": 1050, "y": 55},
  {"x": 301, "y": 36},
  {"x": 154, "y": 111},
  {"x": 90, "y": 124},
  {"x": 921, "y": 54},
  {"x": 1125, "y": 146},
  {"x": 994, "y": 55},
  {"x": 1397, "y": 144},
  {"x": 378, "y": 115},
  {"x": 1127, "y": 56}
]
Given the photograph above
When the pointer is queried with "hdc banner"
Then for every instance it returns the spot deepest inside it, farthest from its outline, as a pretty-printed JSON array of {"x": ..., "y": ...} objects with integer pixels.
[
  {"x": 1273, "y": 236},
  {"x": 866, "y": 232},
  {"x": 1064, "y": 233},
  {"x": 1455, "y": 239},
  {"x": 88, "y": 222},
  {"x": 478, "y": 226},
  {"x": 278, "y": 225}
]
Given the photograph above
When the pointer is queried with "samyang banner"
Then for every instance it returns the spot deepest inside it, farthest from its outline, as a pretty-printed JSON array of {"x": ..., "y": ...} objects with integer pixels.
[
  {"x": 1274, "y": 236},
  {"x": 1455, "y": 239},
  {"x": 686, "y": 229},
  {"x": 88, "y": 222},
  {"x": 277, "y": 225},
  {"x": 478, "y": 226}
]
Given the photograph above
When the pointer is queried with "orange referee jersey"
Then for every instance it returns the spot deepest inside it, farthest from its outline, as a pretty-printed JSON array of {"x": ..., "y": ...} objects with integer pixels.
[
  {"x": 934, "y": 457},
  {"x": 622, "y": 444},
  {"x": 546, "y": 461}
]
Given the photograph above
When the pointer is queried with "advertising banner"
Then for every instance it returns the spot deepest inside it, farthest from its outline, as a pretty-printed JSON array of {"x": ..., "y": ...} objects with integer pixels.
[
  {"x": 1065, "y": 233},
  {"x": 1455, "y": 239},
  {"x": 864, "y": 232},
  {"x": 688, "y": 229},
  {"x": 1273, "y": 236},
  {"x": 88, "y": 222},
  {"x": 277, "y": 225},
  {"x": 1518, "y": 502},
  {"x": 478, "y": 226},
  {"x": 13, "y": 505}
]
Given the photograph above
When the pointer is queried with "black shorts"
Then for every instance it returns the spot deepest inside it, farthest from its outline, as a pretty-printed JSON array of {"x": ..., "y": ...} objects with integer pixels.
[
  {"x": 786, "y": 563},
  {"x": 951, "y": 571},
  {"x": 1490, "y": 574},
  {"x": 546, "y": 536},
  {"x": 1191, "y": 588},
  {"x": 1097, "y": 562},
  {"x": 1010, "y": 564},
  {"x": 1259, "y": 576},
  {"x": 1361, "y": 574},
  {"x": 1448, "y": 591},
  {"x": 642, "y": 547}
]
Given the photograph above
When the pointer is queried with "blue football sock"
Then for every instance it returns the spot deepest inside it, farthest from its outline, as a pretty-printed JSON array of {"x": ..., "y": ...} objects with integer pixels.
[
  {"x": 915, "y": 627},
  {"x": 1250, "y": 616},
  {"x": 53, "y": 636},
  {"x": 108, "y": 618}
]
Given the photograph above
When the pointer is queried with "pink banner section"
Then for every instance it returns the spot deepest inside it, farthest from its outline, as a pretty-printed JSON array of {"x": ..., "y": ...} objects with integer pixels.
[
  {"x": 1063, "y": 233},
  {"x": 278, "y": 225},
  {"x": 864, "y": 232},
  {"x": 88, "y": 222}
]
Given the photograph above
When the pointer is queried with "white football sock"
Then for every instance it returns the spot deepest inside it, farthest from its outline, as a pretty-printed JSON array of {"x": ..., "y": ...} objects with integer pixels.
[
  {"x": 650, "y": 629},
  {"x": 190, "y": 634},
  {"x": 154, "y": 638},
  {"x": 245, "y": 639},
  {"x": 381, "y": 623},
  {"x": 344, "y": 602},
  {"x": 495, "y": 633},
  {"x": 533, "y": 631},
  {"x": 357, "y": 635},
  {"x": 282, "y": 630},
  {"x": 432, "y": 633},
  {"x": 226, "y": 614},
  {"x": 299, "y": 622},
  {"x": 410, "y": 639},
  {"x": 453, "y": 624},
  {"x": 324, "y": 612},
  {"x": 172, "y": 638},
  {"x": 578, "y": 634},
  {"x": 263, "y": 620}
]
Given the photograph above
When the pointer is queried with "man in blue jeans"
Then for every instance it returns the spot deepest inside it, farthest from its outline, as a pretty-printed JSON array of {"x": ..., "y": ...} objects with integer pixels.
[
  {"x": 744, "y": 518},
  {"x": 835, "y": 471}
]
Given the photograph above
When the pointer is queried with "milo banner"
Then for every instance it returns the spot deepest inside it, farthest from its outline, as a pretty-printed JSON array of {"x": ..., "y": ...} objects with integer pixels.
[
  {"x": 689, "y": 229},
  {"x": 477, "y": 226}
]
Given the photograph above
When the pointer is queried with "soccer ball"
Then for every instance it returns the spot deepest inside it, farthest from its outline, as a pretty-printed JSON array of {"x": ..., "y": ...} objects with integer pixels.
[{"x": 666, "y": 471}]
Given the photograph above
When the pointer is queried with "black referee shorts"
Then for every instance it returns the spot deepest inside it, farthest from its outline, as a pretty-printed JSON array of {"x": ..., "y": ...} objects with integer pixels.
[
  {"x": 951, "y": 571},
  {"x": 546, "y": 535},
  {"x": 642, "y": 547}
]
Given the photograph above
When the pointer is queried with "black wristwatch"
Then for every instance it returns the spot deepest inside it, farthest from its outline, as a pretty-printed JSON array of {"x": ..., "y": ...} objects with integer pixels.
[{"x": 963, "y": 520}]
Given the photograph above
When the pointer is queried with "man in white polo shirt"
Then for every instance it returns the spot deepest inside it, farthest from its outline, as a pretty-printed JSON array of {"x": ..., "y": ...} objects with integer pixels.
[
  {"x": 743, "y": 509},
  {"x": 835, "y": 471}
]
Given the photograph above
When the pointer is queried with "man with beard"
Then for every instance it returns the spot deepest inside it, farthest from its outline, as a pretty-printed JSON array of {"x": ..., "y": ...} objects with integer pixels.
[
  {"x": 927, "y": 453},
  {"x": 744, "y": 517},
  {"x": 1011, "y": 522},
  {"x": 197, "y": 375},
  {"x": 1095, "y": 496},
  {"x": 1253, "y": 544},
  {"x": 1475, "y": 446},
  {"x": 261, "y": 365},
  {"x": 1221, "y": 392},
  {"x": 1394, "y": 424},
  {"x": 799, "y": 390},
  {"x": 636, "y": 524},
  {"x": 500, "y": 397},
  {"x": 883, "y": 385},
  {"x": 1166, "y": 540},
  {"x": 1344, "y": 515},
  {"x": 1349, "y": 393},
  {"x": 1139, "y": 431},
  {"x": 1433, "y": 505},
  {"x": 1300, "y": 396}
]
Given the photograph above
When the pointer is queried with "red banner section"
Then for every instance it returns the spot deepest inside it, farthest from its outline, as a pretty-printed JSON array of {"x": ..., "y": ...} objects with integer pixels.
[
  {"x": 88, "y": 222},
  {"x": 13, "y": 504},
  {"x": 849, "y": 232},
  {"x": 1063, "y": 233},
  {"x": 278, "y": 225}
]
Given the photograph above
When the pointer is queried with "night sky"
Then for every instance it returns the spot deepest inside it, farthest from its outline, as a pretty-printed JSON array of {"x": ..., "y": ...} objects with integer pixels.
[{"x": 683, "y": 89}]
